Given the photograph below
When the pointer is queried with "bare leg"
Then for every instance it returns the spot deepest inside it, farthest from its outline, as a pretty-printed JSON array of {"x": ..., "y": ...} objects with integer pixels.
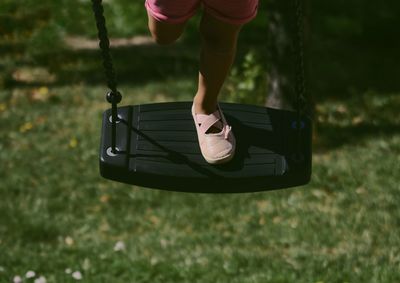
[
  {"x": 164, "y": 33},
  {"x": 217, "y": 55}
]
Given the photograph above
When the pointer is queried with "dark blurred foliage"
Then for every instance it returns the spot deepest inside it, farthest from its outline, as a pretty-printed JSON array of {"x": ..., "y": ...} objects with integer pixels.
[
  {"x": 373, "y": 22},
  {"x": 353, "y": 47},
  {"x": 350, "y": 45}
]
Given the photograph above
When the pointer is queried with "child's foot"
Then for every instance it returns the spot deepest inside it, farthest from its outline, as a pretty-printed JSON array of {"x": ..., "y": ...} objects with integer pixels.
[{"x": 216, "y": 140}]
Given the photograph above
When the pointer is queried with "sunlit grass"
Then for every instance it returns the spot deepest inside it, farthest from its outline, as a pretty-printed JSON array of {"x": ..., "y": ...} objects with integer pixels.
[{"x": 60, "y": 219}]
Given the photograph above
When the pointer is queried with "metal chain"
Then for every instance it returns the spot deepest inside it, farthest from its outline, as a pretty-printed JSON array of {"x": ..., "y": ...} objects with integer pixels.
[
  {"x": 113, "y": 97},
  {"x": 300, "y": 87},
  {"x": 104, "y": 44},
  {"x": 299, "y": 48}
]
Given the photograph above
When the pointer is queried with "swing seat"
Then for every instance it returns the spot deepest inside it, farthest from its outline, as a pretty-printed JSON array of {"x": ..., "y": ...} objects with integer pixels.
[{"x": 157, "y": 147}]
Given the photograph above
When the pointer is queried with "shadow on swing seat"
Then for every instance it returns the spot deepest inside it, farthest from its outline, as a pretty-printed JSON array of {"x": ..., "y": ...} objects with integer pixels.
[{"x": 157, "y": 147}]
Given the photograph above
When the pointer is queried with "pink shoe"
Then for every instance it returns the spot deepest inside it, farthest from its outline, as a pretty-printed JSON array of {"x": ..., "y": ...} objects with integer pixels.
[{"x": 216, "y": 148}]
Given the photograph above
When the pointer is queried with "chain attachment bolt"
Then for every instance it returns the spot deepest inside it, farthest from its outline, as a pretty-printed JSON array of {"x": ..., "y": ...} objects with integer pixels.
[{"x": 114, "y": 97}]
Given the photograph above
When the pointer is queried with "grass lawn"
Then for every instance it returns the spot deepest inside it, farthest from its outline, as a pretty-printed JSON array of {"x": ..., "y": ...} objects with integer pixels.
[{"x": 60, "y": 219}]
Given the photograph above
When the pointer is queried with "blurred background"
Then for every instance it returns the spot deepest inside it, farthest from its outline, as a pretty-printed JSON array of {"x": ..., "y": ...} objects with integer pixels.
[{"x": 61, "y": 222}]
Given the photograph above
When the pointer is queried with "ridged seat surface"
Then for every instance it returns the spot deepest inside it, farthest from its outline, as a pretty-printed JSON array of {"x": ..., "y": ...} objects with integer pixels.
[{"x": 158, "y": 148}]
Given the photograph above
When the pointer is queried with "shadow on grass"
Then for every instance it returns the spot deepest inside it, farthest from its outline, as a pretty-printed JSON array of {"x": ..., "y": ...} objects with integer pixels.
[
  {"x": 335, "y": 68},
  {"x": 338, "y": 68},
  {"x": 133, "y": 65},
  {"x": 331, "y": 136}
]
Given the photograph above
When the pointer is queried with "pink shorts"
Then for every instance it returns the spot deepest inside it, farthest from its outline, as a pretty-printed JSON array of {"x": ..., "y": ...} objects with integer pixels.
[{"x": 178, "y": 11}]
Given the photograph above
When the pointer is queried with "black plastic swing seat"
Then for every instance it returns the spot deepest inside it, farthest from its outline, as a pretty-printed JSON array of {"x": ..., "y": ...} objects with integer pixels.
[{"x": 157, "y": 147}]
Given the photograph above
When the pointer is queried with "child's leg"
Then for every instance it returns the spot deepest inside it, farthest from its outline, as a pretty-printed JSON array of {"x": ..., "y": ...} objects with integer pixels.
[
  {"x": 165, "y": 33},
  {"x": 217, "y": 54}
]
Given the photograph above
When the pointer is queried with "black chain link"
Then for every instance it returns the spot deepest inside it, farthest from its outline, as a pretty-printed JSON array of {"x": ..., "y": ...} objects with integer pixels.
[
  {"x": 300, "y": 87},
  {"x": 299, "y": 48},
  {"x": 113, "y": 97},
  {"x": 104, "y": 44}
]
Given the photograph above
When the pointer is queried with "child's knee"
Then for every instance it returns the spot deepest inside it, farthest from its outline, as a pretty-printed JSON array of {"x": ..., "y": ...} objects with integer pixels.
[
  {"x": 163, "y": 38},
  {"x": 218, "y": 43},
  {"x": 218, "y": 36},
  {"x": 164, "y": 33}
]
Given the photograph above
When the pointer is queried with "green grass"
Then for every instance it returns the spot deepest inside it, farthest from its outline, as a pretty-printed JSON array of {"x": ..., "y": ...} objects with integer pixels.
[{"x": 56, "y": 212}]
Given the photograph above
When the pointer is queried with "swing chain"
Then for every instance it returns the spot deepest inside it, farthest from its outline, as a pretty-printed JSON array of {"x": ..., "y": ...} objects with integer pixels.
[
  {"x": 300, "y": 87},
  {"x": 299, "y": 48},
  {"x": 114, "y": 96}
]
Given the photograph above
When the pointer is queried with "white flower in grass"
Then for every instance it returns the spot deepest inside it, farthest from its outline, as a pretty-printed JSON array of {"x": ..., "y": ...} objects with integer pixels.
[
  {"x": 153, "y": 261},
  {"x": 119, "y": 246},
  {"x": 17, "y": 279},
  {"x": 30, "y": 274},
  {"x": 77, "y": 275},
  {"x": 2, "y": 269},
  {"x": 69, "y": 241},
  {"x": 68, "y": 270},
  {"x": 41, "y": 279},
  {"x": 86, "y": 264}
]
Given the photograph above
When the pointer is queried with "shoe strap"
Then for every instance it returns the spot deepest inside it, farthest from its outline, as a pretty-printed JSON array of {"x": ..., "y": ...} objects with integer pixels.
[
  {"x": 227, "y": 130},
  {"x": 207, "y": 121}
]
